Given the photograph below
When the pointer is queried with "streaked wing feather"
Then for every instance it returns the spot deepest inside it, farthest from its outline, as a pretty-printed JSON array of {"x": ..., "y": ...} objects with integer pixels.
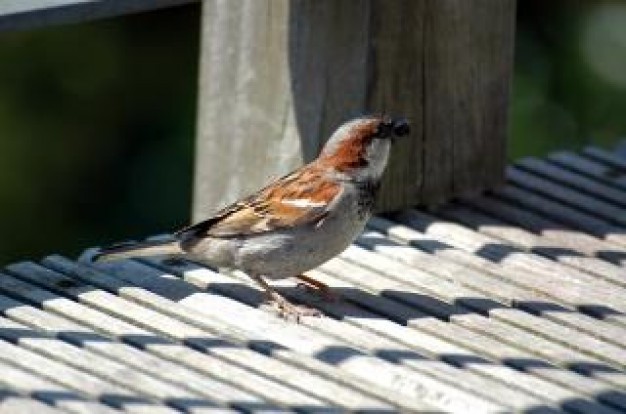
[{"x": 299, "y": 198}]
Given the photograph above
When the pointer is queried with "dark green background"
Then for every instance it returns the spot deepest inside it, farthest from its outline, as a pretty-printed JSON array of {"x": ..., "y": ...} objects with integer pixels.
[{"x": 97, "y": 119}]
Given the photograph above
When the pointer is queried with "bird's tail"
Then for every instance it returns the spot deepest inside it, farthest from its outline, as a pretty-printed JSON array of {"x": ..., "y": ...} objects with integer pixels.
[{"x": 142, "y": 249}]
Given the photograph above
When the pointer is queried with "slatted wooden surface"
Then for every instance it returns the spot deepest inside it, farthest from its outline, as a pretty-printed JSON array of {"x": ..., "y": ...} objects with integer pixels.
[{"x": 515, "y": 301}]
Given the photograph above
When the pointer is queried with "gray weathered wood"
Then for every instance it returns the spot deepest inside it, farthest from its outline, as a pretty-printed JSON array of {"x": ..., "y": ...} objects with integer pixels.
[
  {"x": 177, "y": 330},
  {"x": 590, "y": 167},
  {"x": 498, "y": 290},
  {"x": 29, "y": 14},
  {"x": 617, "y": 162},
  {"x": 54, "y": 325},
  {"x": 102, "y": 367},
  {"x": 574, "y": 180},
  {"x": 423, "y": 341},
  {"x": 550, "y": 238},
  {"x": 277, "y": 77},
  {"x": 466, "y": 66},
  {"x": 497, "y": 307},
  {"x": 204, "y": 318},
  {"x": 362, "y": 329},
  {"x": 564, "y": 284},
  {"x": 587, "y": 203},
  {"x": 546, "y": 381},
  {"x": 559, "y": 283},
  {"x": 39, "y": 388},
  {"x": 419, "y": 380},
  {"x": 262, "y": 327},
  {"x": 78, "y": 380},
  {"x": 15, "y": 404},
  {"x": 427, "y": 284},
  {"x": 588, "y": 225},
  {"x": 420, "y": 282},
  {"x": 528, "y": 299}
]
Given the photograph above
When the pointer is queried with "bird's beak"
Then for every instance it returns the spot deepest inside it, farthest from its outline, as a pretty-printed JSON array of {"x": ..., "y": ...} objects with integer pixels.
[{"x": 401, "y": 128}]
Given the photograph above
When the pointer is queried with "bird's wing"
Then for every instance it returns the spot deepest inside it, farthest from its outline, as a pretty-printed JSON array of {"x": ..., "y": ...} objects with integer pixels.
[{"x": 300, "y": 198}]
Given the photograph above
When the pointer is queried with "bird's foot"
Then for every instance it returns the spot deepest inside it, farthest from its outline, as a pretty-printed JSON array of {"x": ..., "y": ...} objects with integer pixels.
[
  {"x": 288, "y": 310},
  {"x": 317, "y": 287}
]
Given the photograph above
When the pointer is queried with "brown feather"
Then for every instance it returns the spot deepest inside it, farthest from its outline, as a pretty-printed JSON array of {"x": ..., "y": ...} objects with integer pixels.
[
  {"x": 270, "y": 208},
  {"x": 351, "y": 152}
]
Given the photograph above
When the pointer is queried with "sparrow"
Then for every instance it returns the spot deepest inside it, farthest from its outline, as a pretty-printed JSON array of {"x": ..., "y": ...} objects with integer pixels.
[{"x": 295, "y": 223}]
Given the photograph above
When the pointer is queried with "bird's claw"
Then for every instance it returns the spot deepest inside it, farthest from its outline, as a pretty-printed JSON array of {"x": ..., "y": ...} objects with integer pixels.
[{"x": 290, "y": 311}]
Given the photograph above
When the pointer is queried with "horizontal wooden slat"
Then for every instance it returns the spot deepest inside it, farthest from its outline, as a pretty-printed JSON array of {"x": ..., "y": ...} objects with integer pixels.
[
  {"x": 53, "y": 325},
  {"x": 613, "y": 160},
  {"x": 176, "y": 330},
  {"x": 550, "y": 238},
  {"x": 558, "y": 354},
  {"x": 170, "y": 291},
  {"x": 551, "y": 279},
  {"x": 15, "y": 404},
  {"x": 593, "y": 168},
  {"x": 423, "y": 343},
  {"x": 102, "y": 367},
  {"x": 591, "y": 205},
  {"x": 28, "y": 14},
  {"x": 497, "y": 291},
  {"x": 564, "y": 214},
  {"x": 474, "y": 351},
  {"x": 392, "y": 342},
  {"x": 571, "y": 179},
  {"x": 41, "y": 389},
  {"x": 78, "y": 380},
  {"x": 527, "y": 299},
  {"x": 508, "y": 302},
  {"x": 260, "y": 326}
]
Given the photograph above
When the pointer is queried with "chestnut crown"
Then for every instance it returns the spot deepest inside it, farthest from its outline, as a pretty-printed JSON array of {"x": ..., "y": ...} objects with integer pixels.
[{"x": 361, "y": 146}]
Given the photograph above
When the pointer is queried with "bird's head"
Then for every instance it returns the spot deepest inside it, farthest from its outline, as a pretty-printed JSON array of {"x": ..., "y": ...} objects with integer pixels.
[{"x": 360, "y": 148}]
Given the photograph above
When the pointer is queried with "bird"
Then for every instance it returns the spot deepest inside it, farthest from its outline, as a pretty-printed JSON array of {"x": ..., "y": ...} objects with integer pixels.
[{"x": 295, "y": 223}]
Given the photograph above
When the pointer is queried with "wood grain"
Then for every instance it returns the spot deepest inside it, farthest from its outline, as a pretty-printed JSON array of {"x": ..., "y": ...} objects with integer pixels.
[
  {"x": 277, "y": 78},
  {"x": 466, "y": 89},
  {"x": 482, "y": 305}
]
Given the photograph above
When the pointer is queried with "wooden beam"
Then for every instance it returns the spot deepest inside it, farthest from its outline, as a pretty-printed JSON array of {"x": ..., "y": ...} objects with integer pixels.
[
  {"x": 468, "y": 59},
  {"x": 29, "y": 14},
  {"x": 277, "y": 77}
]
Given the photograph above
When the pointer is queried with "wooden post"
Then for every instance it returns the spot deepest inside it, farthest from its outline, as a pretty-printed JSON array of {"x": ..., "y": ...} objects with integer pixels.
[{"x": 278, "y": 76}]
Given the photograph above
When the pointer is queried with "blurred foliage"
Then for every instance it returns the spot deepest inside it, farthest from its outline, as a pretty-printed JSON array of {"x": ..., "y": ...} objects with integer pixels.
[
  {"x": 97, "y": 119},
  {"x": 569, "y": 86},
  {"x": 96, "y": 131}
]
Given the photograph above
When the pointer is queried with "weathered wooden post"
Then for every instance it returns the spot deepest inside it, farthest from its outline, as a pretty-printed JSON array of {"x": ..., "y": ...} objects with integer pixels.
[{"x": 277, "y": 76}]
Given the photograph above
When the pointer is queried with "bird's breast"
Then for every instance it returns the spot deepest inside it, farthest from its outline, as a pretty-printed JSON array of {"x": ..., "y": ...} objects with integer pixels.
[{"x": 289, "y": 252}]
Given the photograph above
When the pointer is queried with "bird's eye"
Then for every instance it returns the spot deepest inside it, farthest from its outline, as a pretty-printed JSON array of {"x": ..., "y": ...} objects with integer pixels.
[{"x": 384, "y": 129}]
